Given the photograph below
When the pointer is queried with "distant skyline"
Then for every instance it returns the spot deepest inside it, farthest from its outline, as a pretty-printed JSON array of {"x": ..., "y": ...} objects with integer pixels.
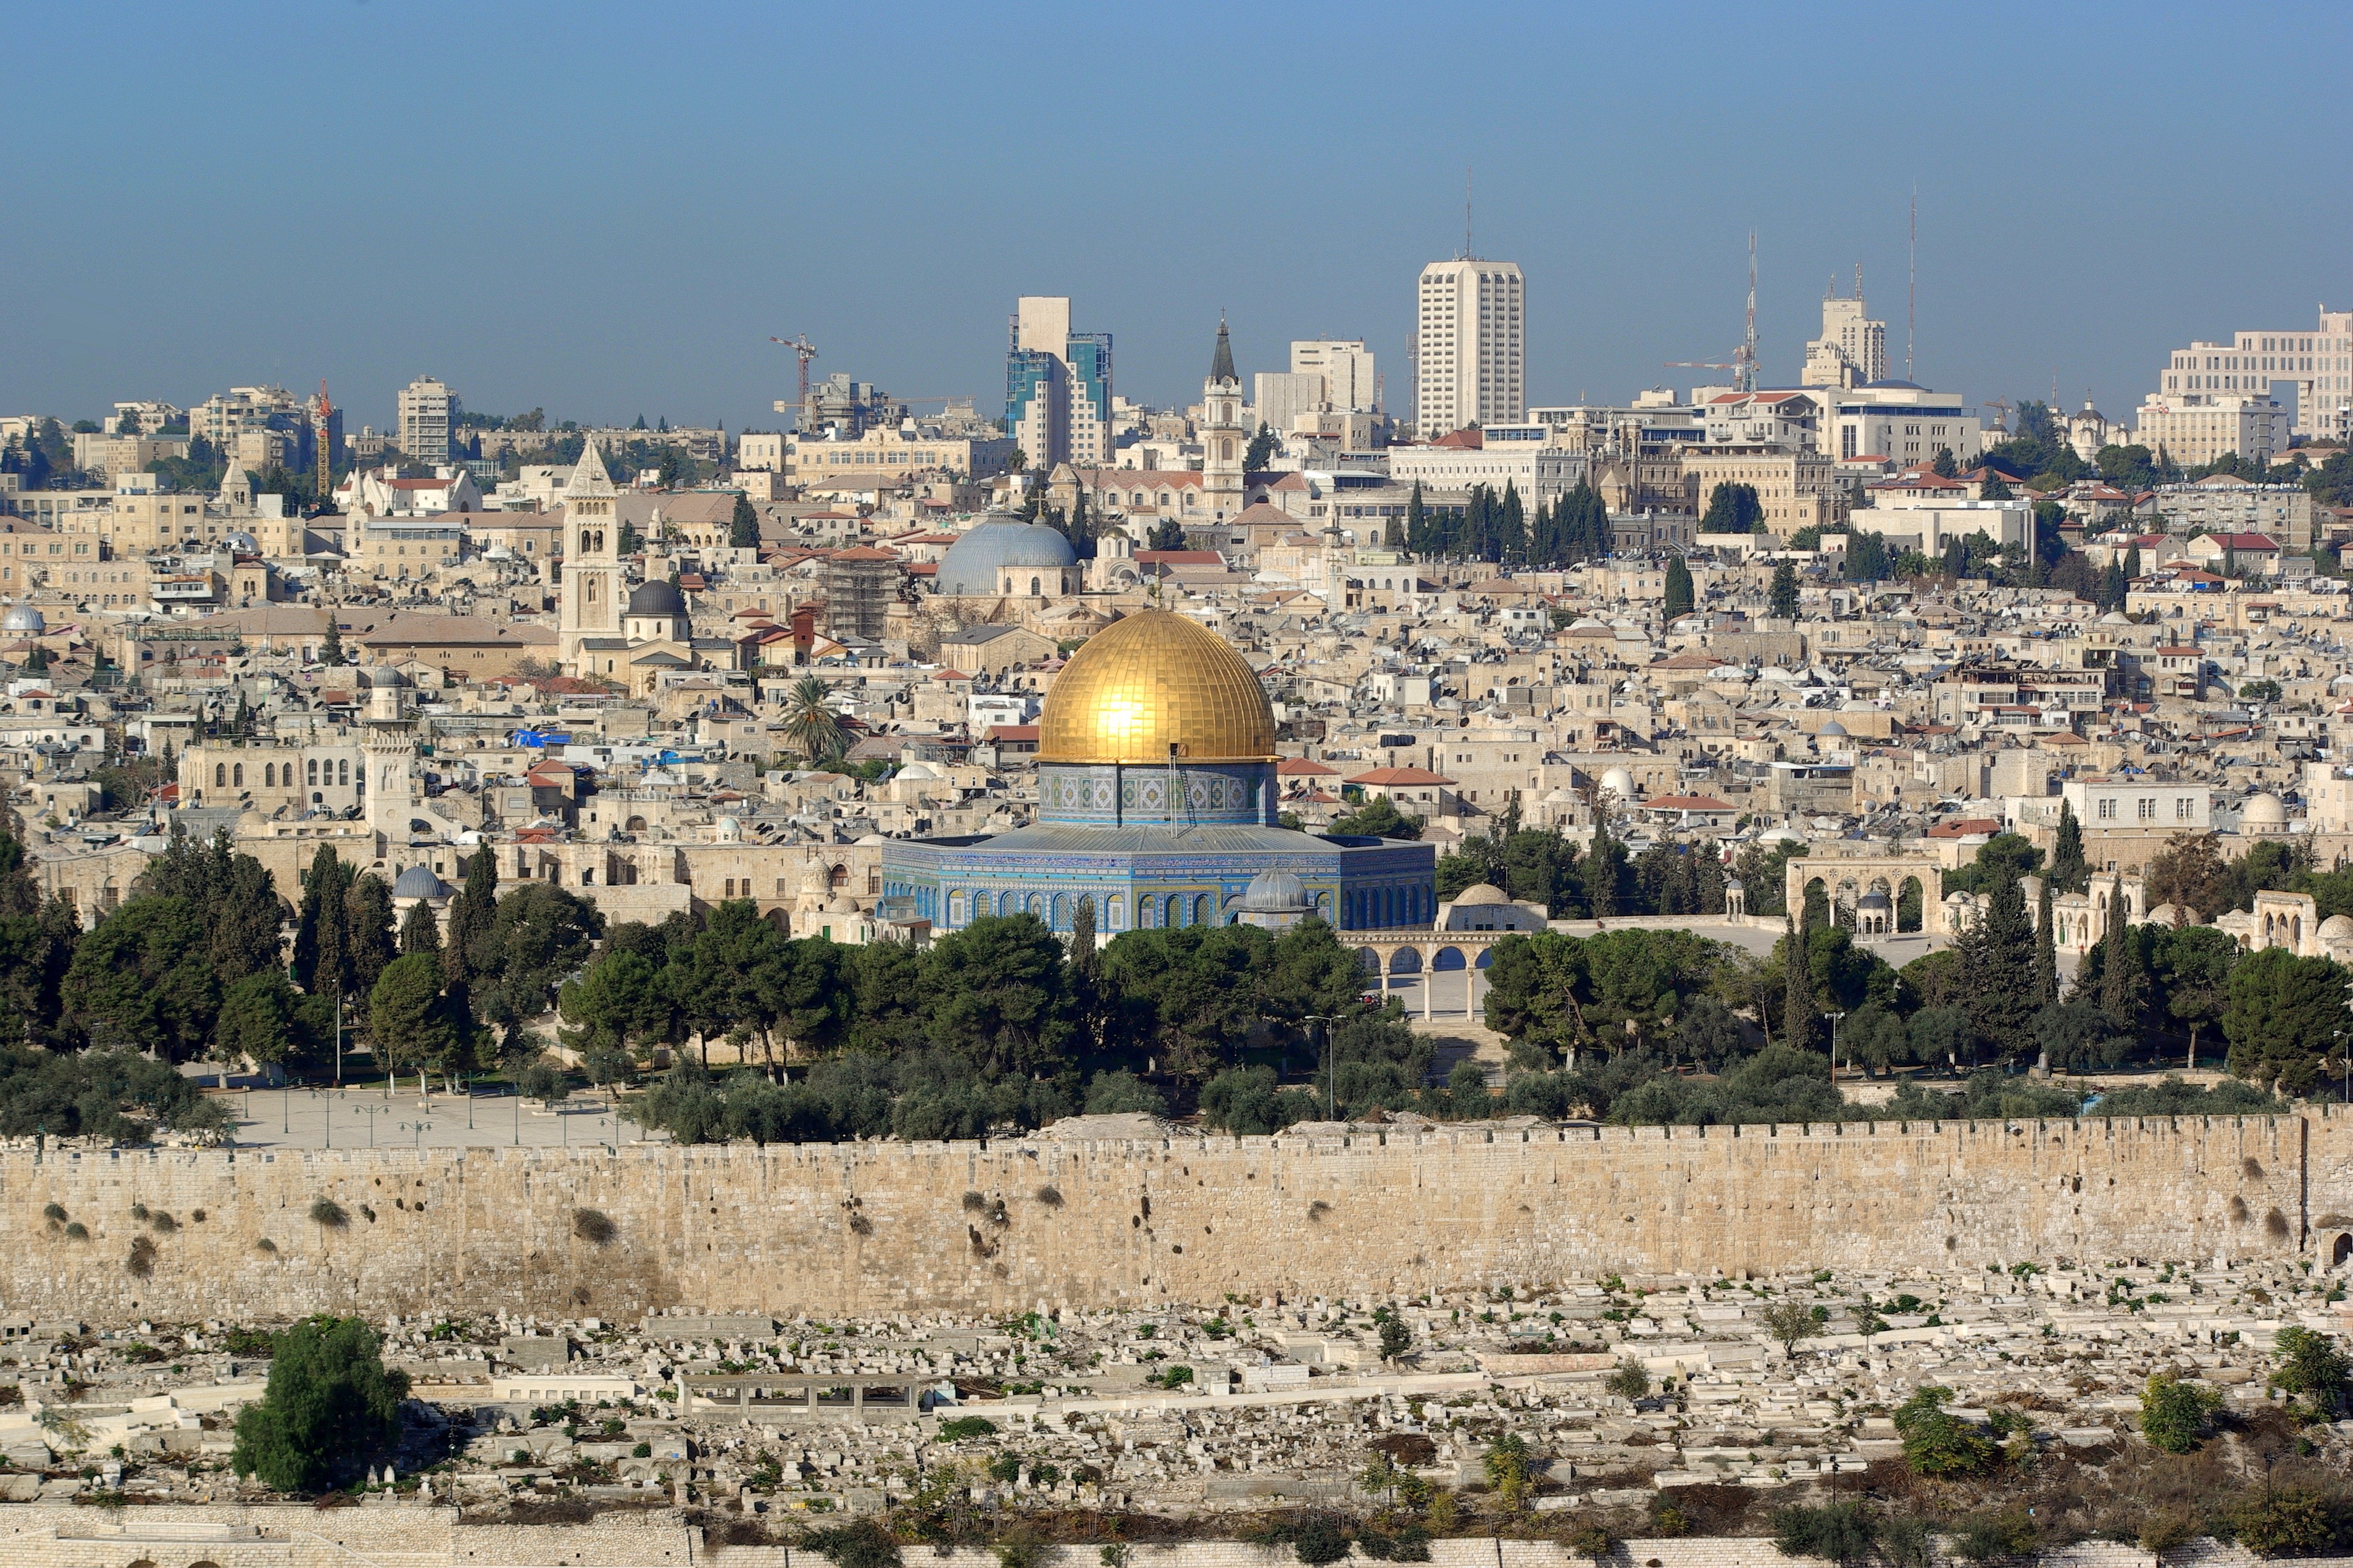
[{"x": 605, "y": 211}]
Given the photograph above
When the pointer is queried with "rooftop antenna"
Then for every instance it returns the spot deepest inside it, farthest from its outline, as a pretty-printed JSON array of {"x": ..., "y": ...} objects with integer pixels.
[
  {"x": 1466, "y": 212},
  {"x": 1912, "y": 291}
]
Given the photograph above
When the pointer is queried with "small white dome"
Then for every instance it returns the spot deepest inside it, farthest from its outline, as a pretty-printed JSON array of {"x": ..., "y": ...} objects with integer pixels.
[
  {"x": 2335, "y": 926},
  {"x": 2163, "y": 914},
  {"x": 2264, "y": 811},
  {"x": 1480, "y": 893},
  {"x": 919, "y": 771},
  {"x": 1618, "y": 782},
  {"x": 1779, "y": 836},
  {"x": 730, "y": 830}
]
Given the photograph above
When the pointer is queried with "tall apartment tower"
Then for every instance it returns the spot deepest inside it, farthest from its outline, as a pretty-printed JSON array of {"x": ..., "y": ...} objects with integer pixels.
[
  {"x": 1057, "y": 386},
  {"x": 589, "y": 598},
  {"x": 1469, "y": 345},
  {"x": 1346, "y": 367},
  {"x": 429, "y": 413},
  {"x": 1852, "y": 349}
]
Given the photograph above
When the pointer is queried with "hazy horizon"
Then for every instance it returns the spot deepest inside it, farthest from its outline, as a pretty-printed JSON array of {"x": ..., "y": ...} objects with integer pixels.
[{"x": 605, "y": 211}]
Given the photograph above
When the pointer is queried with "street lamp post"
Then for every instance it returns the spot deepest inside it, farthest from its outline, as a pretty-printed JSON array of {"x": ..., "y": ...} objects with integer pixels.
[
  {"x": 418, "y": 1129},
  {"x": 1331, "y": 1068},
  {"x": 371, "y": 1112},
  {"x": 1834, "y": 1024}
]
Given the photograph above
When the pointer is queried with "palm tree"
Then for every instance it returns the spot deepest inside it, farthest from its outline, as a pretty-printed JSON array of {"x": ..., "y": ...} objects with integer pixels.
[{"x": 812, "y": 726}]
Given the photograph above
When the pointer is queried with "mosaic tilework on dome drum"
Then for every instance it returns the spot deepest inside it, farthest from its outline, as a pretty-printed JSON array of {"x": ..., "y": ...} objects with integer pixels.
[{"x": 1151, "y": 681}]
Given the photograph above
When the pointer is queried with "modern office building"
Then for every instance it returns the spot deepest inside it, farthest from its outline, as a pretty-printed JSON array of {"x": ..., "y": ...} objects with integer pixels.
[
  {"x": 1469, "y": 345},
  {"x": 1350, "y": 382},
  {"x": 428, "y": 416},
  {"x": 2317, "y": 361},
  {"x": 2195, "y": 428},
  {"x": 1058, "y": 385}
]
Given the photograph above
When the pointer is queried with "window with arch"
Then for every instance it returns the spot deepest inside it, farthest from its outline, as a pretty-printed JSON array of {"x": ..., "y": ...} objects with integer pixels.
[
  {"x": 269, "y": 775},
  {"x": 1115, "y": 913},
  {"x": 1060, "y": 918},
  {"x": 955, "y": 910},
  {"x": 1201, "y": 909},
  {"x": 1175, "y": 911},
  {"x": 343, "y": 771},
  {"x": 311, "y": 770},
  {"x": 220, "y": 775}
]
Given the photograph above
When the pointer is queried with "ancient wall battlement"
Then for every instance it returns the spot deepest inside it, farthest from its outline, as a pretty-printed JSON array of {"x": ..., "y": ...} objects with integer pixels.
[{"x": 986, "y": 1228}]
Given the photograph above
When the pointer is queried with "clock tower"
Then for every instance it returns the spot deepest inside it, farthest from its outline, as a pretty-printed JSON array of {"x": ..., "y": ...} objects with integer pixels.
[{"x": 1224, "y": 442}]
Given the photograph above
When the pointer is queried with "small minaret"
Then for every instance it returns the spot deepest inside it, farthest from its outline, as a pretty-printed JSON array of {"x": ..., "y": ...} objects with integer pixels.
[{"x": 1224, "y": 442}]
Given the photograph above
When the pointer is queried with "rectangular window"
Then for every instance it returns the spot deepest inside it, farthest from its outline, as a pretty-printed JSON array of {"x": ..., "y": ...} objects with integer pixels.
[
  {"x": 2107, "y": 810},
  {"x": 2147, "y": 809}
]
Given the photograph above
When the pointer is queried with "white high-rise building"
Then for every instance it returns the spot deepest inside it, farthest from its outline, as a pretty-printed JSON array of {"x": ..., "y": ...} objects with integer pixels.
[
  {"x": 1469, "y": 345},
  {"x": 2319, "y": 361},
  {"x": 429, "y": 413},
  {"x": 1057, "y": 391},
  {"x": 1852, "y": 349},
  {"x": 1278, "y": 399},
  {"x": 1345, "y": 365}
]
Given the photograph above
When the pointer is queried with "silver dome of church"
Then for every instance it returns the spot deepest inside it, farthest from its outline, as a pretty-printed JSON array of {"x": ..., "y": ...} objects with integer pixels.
[
  {"x": 23, "y": 618},
  {"x": 1000, "y": 539}
]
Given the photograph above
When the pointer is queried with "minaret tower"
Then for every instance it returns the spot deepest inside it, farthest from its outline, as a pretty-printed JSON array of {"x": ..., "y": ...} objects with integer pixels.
[
  {"x": 590, "y": 596},
  {"x": 1224, "y": 442}
]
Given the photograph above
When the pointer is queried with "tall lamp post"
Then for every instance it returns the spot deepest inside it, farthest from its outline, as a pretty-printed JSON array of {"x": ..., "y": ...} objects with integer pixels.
[
  {"x": 1331, "y": 1068},
  {"x": 1835, "y": 1023}
]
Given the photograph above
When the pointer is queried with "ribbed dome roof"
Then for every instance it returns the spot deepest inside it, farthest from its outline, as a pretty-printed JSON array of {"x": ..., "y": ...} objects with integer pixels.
[
  {"x": 657, "y": 598},
  {"x": 1000, "y": 539},
  {"x": 23, "y": 618},
  {"x": 418, "y": 882},
  {"x": 1274, "y": 893},
  {"x": 1150, "y": 681}
]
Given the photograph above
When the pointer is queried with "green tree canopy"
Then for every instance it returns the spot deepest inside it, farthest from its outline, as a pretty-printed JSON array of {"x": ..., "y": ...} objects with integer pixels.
[{"x": 331, "y": 1406}]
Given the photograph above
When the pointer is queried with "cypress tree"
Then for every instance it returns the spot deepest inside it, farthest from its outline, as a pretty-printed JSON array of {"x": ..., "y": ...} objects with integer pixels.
[
  {"x": 2068, "y": 870},
  {"x": 1678, "y": 588},
  {"x": 2124, "y": 984},
  {"x": 2046, "y": 950},
  {"x": 1511, "y": 526},
  {"x": 1783, "y": 603},
  {"x": 1602, "y": 857},
  {"x": 419, "y": 931},
  {"x": 1798, "y": 1021}
]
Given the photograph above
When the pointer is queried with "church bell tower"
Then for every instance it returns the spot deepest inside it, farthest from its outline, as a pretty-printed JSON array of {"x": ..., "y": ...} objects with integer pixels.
[
  {"x": 590, "y": 601},
  {"x": 1224, "y": 442}
]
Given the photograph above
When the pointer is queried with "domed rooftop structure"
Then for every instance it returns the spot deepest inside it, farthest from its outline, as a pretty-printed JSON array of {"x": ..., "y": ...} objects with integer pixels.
[
  {"x": 24, "y": 618},
  {"x": 240, "y": 544},
  {"x": 999, "y": 540},
  {"x": 382, "y": 675},
  {"x": 1620, "y": 783},
  {"x": 2166, "y": 914},
  {"x": 729, "y": 830},
  {"x": 659, "y": 596},
  {"x": 1274, "y": 893},
  {"x": 1874, "y": 899},
  {"x": 2262, "y": 811},
  {"x": 1151, "y": 682},
  {"x": 1833, "y": 730},
  {"x": 418, "y": 882},
  {"x": 2335, "y": 927},
  {"x": 1480, "y": 893}
]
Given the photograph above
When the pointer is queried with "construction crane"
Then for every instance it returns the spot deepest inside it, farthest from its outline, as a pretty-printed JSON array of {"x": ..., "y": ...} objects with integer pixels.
[
  {"x": 1743, "y": 363},
  {"x": 2002, "y": 404},
  {"x": 804, "y": 350}
]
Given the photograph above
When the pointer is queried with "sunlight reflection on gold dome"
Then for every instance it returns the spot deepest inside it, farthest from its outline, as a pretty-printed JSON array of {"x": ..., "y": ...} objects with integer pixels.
[{"x": 1154, "y": 679}]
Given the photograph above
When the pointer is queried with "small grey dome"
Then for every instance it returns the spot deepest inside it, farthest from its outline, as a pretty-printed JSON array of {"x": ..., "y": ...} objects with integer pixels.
[
  {"x": 376, "y": 676},
  {"x": 418, "y": 882},
  {"x": 660, "y": 598},
  {"x": 23, "y": 618},
  {"x": 1000, "y": 539},
  {"x": 1274, "y": 893},
  {"x": 1833, "y": 728},
  {"x": 1874, "y": 899}
]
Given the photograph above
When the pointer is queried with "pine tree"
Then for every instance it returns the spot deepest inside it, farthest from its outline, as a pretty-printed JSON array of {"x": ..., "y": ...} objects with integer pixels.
[
  {"x": 1511, "y": 527},
  {"x": 1603, "y": 857},
  {"x": 1417, "y": 524},
  {"x": 743, "y": 527},
  {"x": 1783, "y": 605},
  {"x": 1798, "y": 1019},
  {"x": 2046, "y": 950},
  {"x": 2069, "y": 872},
  {"x": 1679, "y": 589},
  {"x": 420, "y": 932},
  {"x": 331, "y": 652},
  {"x": 1998, "y": 969}
]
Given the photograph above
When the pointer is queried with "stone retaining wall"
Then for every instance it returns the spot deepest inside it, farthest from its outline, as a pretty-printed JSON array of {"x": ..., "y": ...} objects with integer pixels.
[{"x": 889, "y": 1227}]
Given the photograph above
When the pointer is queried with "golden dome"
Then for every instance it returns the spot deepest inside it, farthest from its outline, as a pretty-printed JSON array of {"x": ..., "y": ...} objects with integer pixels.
[{"x": 1150, "y": 681}]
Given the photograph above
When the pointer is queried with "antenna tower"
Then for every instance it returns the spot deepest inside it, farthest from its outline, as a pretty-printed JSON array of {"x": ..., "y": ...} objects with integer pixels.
[
  {"x": 1912, "y": 290},
  {"x": 1746, "y": 357},
  {"x": 1466, "y": 212}
]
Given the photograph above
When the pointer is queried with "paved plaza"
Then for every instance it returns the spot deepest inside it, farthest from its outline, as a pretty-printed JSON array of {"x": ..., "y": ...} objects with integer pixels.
[{"x": 492, "y": 1116}]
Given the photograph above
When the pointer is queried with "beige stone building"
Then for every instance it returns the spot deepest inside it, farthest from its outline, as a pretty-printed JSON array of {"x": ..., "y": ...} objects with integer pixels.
[{"x": 1796, "y": 489}]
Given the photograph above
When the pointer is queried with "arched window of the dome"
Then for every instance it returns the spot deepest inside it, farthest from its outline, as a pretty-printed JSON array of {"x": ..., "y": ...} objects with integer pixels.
[
  {"x": 1201, "y": 909},
  {"x": 955, "y": 910},
  {"x": 1146, "y": 914},
  {"x": 1115, "y": 913},
  {"x": 980, "y": 906},
  {"x": 1061, "y": 917}
]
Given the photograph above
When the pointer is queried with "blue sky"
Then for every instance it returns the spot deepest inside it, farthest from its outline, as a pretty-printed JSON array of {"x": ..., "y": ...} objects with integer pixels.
[{"x": 606, "y": 209}]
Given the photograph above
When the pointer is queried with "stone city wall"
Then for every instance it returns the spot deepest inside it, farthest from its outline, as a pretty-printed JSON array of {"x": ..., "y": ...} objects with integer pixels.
[{"x": 987, "y": 1227}]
